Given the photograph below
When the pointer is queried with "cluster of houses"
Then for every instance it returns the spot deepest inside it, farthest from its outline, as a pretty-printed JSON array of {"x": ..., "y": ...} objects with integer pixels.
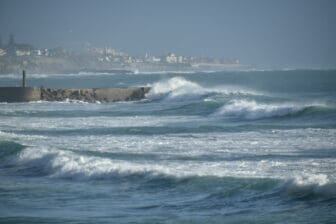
[
  {"x": 103, "y": 55},
  {"x": 20, "y": 50}
]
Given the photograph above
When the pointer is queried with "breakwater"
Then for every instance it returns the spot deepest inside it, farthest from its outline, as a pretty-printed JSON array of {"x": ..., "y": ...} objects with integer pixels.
[
  {"x": 19, "y": 94},
  {"x": 24, "y": 94},
  {"x": 94, "y": 94}
]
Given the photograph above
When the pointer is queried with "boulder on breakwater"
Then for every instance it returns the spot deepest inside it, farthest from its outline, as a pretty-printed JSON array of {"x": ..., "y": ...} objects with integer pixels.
[{"x": 95, "y": 94}]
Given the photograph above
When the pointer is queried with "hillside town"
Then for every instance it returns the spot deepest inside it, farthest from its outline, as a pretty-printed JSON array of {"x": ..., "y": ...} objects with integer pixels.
[{"x": 17, "y": 56}]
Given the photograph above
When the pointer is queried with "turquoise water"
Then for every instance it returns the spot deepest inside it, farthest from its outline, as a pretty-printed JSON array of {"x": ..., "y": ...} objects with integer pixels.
[{"x": 222, "y": 147}]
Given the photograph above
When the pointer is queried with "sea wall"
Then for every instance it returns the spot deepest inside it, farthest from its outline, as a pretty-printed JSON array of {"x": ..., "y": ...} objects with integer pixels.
[
  {"x": 19, "y": 94},
  {"x": 23, "y": 94}
]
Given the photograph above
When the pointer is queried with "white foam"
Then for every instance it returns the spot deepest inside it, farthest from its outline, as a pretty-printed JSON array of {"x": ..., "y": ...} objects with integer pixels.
[
  {"x": 64, "y": 164},
  {"x": 263, "y": 153},
  {"x": 46, "y": 106},
  {"x": 178, "y": 88},
  {"x": 59, "y": 163},
  {"x": 82, "y": 123},
  {"x": 244, "y": 154},
  {"x": 174, "y": 88},
  {"x": 306, "y": 185},
  {"x": 250, "y": 110},
  {"x": 317, "y": 179},
  {"x": 237, "y": 90}
]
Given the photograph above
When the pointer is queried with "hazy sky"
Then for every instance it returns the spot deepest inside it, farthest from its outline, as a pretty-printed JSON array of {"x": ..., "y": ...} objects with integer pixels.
[{"x": 281, "y": 33}]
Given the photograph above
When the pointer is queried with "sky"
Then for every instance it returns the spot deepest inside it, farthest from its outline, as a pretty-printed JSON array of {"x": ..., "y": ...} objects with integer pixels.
[{"x": 264, "y": 33}]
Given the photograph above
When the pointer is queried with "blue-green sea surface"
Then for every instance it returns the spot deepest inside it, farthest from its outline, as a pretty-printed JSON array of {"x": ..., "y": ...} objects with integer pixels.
[{"x": 220, "y": 147}]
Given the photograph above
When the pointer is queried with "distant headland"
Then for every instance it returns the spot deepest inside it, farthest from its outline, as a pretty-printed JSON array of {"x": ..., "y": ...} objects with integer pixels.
[{"x": 17, "y": 56}]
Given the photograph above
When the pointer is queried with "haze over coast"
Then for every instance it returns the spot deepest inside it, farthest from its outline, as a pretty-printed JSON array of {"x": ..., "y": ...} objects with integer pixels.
[
  {"x": 89, "y": 59},
  {"x": 168, "y": 112},
  {"x": 262, "y": 33}
]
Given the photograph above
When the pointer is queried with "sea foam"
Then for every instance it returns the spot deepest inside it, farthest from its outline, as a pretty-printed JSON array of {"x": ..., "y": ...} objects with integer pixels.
[
  {"x": 311, "y": 185},
  {"x": 181, "y": 89},
  {"x": 175, "y": 88},
  {"x": 252, "y": 110}
]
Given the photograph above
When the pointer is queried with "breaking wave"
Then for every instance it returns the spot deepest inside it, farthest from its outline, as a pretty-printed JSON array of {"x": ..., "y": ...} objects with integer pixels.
[
  {"x": 9, "y": 148},
  {"x": 310, "y": 186},
  {"x": 65, "y": 164},
  {"x": 55, "y": 163},
  {"x": 252, "y": 110},
  {"x": 175, "y": 88},
  {"x": 178, "y": 88}
]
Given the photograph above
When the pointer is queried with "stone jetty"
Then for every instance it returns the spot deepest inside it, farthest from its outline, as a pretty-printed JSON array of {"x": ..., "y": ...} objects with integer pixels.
[
  {"x": 24, "y": 93},
  {"x": 94, "y": 94}
]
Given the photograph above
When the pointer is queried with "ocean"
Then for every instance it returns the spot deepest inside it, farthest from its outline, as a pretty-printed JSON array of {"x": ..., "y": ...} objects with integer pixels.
[{"x": 208, "y": 147}]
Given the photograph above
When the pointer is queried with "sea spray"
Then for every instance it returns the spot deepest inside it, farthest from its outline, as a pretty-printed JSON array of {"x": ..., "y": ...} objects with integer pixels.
[
  {"x": 175, "y": 88},
  {"x": 181, "y": 89}
]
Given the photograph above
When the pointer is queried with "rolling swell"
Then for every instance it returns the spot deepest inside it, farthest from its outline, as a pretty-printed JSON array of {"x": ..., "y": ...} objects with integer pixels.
[
  {"x": 211, "y": 151},
  {"x": 160, "y": 130},
  {"x": 252, "y": 110},
  {"x": 9, "y": 148},
  {"x": 179, "y": 96},
  {"x": 73, "y": 166},
  {"x": 247, "y": 109},
  {"x": 190, "y": 98}
]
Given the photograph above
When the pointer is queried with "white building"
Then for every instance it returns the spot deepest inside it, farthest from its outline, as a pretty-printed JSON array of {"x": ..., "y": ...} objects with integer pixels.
[
  {"x": 2, "y": 52},
  {"x": 22, "y": 53},
  {"x": 155, "y": 59},
  {"x": 180, "y": 59},
  {"x": 171, "y": 58}
]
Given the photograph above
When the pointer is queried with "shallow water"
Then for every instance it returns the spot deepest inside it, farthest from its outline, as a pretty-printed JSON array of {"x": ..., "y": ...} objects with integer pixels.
[{"x": 233, "y": 147}]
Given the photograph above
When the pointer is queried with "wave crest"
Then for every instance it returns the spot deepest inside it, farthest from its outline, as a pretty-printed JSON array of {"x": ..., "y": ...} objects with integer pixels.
[
  {"x": 174, "y": 88},
  {"x": 9, "y": 148},
  {"x": 66, "y": 164},
  {"x": 178, "y": 88},
  {"x": 72, "y": 165},
  {"x": 251, "y": 110},
  {"x": 308, "y": 186}
]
